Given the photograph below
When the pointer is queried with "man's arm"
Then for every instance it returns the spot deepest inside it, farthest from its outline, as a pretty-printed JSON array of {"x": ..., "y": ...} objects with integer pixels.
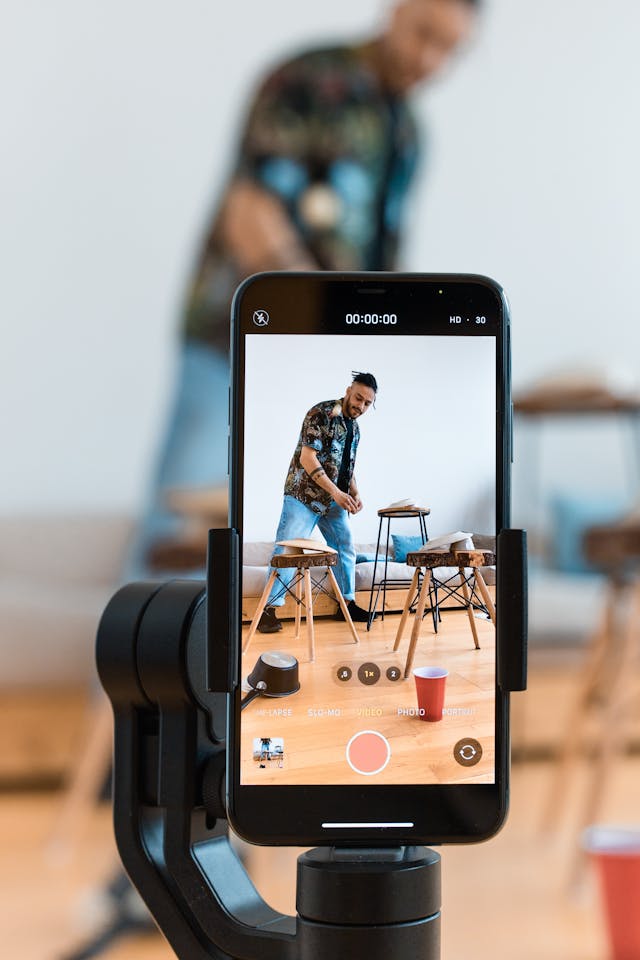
[
  {"x": 355, "y": 496},
  {"x": 257, "y": 231},
  {"x": 311, "y": 464}
]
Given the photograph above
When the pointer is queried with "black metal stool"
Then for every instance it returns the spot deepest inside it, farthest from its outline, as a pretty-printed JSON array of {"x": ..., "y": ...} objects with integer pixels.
[{"x": 389, "y": 514}]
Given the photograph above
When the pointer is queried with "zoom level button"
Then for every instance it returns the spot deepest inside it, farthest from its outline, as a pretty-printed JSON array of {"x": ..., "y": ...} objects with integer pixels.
[{"x": 369, "y": 673}]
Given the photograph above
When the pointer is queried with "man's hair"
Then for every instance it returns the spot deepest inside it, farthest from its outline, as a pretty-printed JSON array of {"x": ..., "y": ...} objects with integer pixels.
[{"x": 366, "y": 379}]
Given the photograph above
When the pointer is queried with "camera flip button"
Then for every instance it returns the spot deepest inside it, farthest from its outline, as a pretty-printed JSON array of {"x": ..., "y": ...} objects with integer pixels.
[{"x": 467, "y": 752}]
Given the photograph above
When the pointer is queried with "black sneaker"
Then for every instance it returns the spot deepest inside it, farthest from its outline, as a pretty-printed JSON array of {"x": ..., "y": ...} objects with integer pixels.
[
  {"x": 268, "y": 622},
  {"x": 357, "y": 614}
]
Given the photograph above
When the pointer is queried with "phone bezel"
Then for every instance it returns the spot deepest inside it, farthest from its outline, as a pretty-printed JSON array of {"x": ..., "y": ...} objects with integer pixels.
[{"x": 293, "y": 815}]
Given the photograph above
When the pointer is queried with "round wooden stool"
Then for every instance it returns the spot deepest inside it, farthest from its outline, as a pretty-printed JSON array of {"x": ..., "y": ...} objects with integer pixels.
[
  {"x": 302, "y": 563},
  {"x": 428, "y": 560}
]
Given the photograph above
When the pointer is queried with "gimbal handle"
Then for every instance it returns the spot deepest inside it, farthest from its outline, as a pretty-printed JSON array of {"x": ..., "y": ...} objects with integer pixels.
[{"x": 169, "y": 763}]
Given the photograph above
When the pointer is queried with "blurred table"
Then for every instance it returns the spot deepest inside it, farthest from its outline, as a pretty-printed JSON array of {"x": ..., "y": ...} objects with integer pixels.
[
  {"x": 574, "y": 401},
  {"x": 201, "y": 509}
]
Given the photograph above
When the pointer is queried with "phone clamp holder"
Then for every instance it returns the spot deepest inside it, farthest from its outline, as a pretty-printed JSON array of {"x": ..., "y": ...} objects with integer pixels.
[{"x": 168, "y": 687}]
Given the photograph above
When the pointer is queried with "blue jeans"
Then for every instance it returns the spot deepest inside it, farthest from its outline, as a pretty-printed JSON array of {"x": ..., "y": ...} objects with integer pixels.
[
  {"x": 194, "y": 451},
  {"x": 297, "y": 520}
]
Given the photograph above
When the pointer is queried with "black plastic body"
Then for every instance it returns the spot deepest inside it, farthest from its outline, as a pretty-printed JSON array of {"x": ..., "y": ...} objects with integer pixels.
[
  {"x": 440, "y": 813},
  {"x": 168, "y": 814}
]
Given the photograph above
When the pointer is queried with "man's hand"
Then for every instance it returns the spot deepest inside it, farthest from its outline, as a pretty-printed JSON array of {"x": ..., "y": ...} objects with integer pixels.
[
  {"x": 358, "y": 502},
  {"x": 346, "y": 502}
]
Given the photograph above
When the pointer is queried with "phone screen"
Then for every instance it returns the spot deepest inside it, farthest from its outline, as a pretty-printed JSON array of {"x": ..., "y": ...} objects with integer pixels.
[{"x": 369, "y": 483}]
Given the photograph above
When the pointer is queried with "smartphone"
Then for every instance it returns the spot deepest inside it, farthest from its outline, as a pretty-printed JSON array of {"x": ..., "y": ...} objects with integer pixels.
[{"x": 370, "y": 422}]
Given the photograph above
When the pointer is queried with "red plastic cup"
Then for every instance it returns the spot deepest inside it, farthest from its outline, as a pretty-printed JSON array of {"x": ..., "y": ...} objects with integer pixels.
[
  {"x": 615, "y": 852},
  {"x": 430, "y": 684}
]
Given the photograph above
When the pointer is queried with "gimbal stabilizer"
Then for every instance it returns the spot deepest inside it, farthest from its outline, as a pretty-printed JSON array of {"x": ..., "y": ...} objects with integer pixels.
[{"x": 169, "y": 703}]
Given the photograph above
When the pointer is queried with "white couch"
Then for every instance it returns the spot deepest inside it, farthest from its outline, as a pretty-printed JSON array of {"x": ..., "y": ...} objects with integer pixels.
[
  {"x": 56, "y": 575},
  {"x": 255, "y": 566}
]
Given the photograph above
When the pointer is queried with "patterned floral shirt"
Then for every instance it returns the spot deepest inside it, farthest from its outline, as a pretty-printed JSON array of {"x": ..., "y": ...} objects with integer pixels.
[
  {"x": 324, "y": 430},
  {"x": 321, "y": 134}
]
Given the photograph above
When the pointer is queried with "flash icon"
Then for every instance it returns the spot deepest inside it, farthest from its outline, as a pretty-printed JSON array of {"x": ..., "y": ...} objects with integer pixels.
[{"x": 260, "y": 318}]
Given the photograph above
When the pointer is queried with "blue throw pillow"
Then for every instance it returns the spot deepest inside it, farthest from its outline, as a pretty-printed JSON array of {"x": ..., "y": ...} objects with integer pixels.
[
  {"x": 404, "y": 545},
  {"x": 367, "y": 557},
  {"x": 571, "y": 516}
]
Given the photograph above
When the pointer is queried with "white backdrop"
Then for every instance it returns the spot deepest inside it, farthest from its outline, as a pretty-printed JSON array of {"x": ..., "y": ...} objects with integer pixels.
[
  {"x": 117, "y": 120},
  {"x": 430, "y": 437}
]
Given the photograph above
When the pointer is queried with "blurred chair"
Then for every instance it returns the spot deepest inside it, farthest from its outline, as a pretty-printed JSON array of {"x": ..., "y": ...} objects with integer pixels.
[{"x": 607, "y": 687}]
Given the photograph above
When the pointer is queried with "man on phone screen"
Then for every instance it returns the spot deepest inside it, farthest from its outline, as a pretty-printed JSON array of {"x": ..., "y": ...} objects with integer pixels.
[{"x": 321, "y": 490}]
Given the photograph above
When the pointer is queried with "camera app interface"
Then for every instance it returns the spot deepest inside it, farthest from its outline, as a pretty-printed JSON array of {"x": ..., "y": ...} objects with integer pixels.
[{"x": 368, "y": 567}]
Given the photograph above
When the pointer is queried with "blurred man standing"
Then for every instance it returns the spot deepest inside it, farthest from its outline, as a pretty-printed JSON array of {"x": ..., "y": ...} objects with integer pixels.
[{"x": 324, "y": 166}]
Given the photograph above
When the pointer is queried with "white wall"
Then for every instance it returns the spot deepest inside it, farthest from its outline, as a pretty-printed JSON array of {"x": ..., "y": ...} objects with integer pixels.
[
  {"x": 439, "y": 454},
  {"x": 119, "y": 117}
]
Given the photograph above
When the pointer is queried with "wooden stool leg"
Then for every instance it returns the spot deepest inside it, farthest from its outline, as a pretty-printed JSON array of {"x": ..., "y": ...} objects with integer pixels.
[
  {"x": 309, "y": 604},
  {"x": 343, "y": 605},
  {"x": 87, "y": 777},
  {"x": 417, "y": 623},
  {"x": 486, "y": 596},
  {"x": 407, "y": 607},
  {"x": 467, "y": 598},
  {"x": 298, "y": 603},
  {"x": 571, "y": 742},
  {"x": 611, "y": 741},
  {"x": 261, "y": 605}
]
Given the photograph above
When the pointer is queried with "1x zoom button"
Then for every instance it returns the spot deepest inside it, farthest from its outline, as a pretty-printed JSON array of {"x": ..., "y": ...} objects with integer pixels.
[{"x": 369, "y": 673}]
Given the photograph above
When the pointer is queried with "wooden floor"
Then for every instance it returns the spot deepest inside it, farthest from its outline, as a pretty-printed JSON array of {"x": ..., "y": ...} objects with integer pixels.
[
  {"x": 504, "y": 899},
  {"x": 508, "y": 899},
  {"x": 318, "y": 721}
]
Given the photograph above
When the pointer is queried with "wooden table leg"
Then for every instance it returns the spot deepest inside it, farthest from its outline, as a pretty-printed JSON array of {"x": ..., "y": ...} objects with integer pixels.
[
  {"x": 486, "y": 596},
  {"x": 298, "y": 603},
  {"x": 417, "y": 623},
  {"x": 407, "y": 607},
  {"x": 309, "y": 604},
  {"x": 261, "y": 605},
  {"x": 343, "y": 605},
  {"x": 467, "y": 598}
]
